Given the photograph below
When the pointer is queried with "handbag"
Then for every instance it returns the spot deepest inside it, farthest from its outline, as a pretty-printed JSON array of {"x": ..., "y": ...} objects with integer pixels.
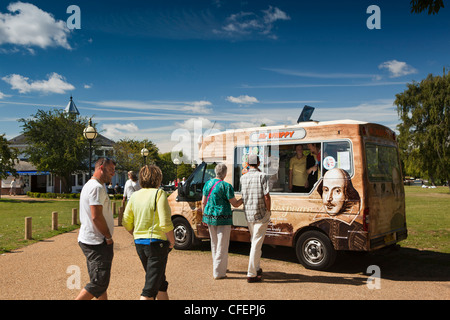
[{"x": 153, "y": 217}]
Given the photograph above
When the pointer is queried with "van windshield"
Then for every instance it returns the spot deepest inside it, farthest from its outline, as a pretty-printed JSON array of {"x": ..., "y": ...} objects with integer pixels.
[{"x": 382, "y": 162}]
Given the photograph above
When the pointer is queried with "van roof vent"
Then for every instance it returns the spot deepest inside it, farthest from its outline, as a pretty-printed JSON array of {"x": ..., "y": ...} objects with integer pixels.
[{"x": 306, "y": 114}]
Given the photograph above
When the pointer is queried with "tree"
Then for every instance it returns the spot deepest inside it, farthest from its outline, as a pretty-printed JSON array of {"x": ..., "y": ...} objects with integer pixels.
[
  {"x": 433, "y": 6},
  {"x": 56, "y": 143},
  {"x": 424, "y": 138},
  {"x": 8, "y": 159},
  {"x": 128, "y": 154},
  {"x": 167, "y": 167}
]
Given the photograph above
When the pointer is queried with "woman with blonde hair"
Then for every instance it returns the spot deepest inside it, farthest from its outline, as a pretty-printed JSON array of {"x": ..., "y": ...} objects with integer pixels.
[{"x": 148, "y": 218}]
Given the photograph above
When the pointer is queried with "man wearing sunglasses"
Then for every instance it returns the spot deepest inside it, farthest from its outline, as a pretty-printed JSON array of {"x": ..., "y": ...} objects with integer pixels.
[{"x": 96, "y": 231}]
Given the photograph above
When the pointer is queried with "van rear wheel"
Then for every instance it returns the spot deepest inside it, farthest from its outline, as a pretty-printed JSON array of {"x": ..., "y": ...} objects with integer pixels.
[
  {"x": 315, "y": 250},
  {"x": 183, "y": 233}
]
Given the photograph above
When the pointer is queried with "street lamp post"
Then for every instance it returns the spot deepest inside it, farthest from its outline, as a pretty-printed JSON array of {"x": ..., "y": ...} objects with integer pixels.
[
  {"x": 90, "y": 134},
  {"x": 144, "y": 153},
  {"x": 176, "y": 162}
]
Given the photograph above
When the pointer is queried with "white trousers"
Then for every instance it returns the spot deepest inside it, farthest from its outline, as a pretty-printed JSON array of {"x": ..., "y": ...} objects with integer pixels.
[
  {"x": 220, "y": 241},
  {"x": 257, "y": 234}
]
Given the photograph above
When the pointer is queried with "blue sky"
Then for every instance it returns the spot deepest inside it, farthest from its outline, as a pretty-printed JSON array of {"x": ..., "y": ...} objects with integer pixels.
[{"x": 143, "y": 69}]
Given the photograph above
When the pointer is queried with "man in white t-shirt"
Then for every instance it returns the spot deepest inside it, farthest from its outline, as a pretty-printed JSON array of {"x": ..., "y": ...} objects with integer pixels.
[
  {"x": 96, "y": 231},
  {"x": 130, "y": 187}
]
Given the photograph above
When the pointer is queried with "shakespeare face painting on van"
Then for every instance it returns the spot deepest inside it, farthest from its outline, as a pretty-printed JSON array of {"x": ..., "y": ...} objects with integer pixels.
[{"x": 334, "y": 185}]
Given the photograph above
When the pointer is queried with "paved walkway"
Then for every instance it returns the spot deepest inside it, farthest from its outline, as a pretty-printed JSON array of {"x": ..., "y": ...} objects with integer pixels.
[{"x": 39, "y": 271}]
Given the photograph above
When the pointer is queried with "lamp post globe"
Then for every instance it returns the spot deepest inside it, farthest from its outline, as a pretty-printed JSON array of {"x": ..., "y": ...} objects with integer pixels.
[
  {"x": 90, "y": 134},
  {"x": 145, "y": 153}
]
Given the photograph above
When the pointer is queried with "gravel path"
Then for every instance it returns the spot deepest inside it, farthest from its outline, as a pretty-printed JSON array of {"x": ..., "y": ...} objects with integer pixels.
[{"x": 39, "y": 271}]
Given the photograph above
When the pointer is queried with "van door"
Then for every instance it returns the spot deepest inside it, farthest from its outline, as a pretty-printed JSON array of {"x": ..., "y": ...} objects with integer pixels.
[
  {"x": 192, "y": 189},
  {"x": 386, "y": 196}
]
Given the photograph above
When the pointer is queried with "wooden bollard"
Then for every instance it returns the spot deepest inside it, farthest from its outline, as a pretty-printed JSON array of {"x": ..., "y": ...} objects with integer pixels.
[
  {"x": 120, "y": 217},
  {"x": 28, "y": 230},
  {"x": 74, "y": 216},
  {"x": 114, "y": 208},
  {"x": 54, "y": 220}
]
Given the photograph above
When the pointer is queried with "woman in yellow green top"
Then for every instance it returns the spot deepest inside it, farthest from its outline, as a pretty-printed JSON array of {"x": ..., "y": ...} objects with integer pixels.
[
  {"x": 298, "y": 172},
  {"x": 148, "y": 218}
]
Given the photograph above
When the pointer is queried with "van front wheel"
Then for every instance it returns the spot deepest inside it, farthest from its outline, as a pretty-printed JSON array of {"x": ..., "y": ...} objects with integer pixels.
[
  {"x": 315, "y": 250},
  {"x": 183, "y": 234}
]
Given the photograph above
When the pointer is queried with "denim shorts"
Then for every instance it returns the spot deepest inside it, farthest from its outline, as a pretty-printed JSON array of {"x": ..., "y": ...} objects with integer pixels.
[
  {"x": 99, "y": 261},
  {"x": 154, "y": 260}
]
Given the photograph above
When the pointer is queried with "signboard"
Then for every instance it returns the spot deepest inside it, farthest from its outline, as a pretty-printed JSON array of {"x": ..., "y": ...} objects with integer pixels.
[{"x": 281, "y": 135}]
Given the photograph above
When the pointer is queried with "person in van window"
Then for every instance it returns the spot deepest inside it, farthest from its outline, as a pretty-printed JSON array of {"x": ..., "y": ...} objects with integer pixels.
[
  {"x": 313, "y": 164},
  {"x": 298, "y": 173}
]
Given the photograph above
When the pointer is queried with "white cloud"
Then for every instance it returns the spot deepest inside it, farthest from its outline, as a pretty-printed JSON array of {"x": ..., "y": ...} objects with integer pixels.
[
  {"x": 244, "y": 99},
  {"x": 2, "y": 95},
  {"x": 116, "y": 130},
  {"x": 87, "y": 86},
  {"x": 198, "y": 107},
  {"x": 318, "y": 75},
  {"x": 397, "y": 68},
  {"x": 55, "y": 84},
  {"x": 273, "y": 14},
  {"x": 247, "y": 23},
  {"x": 27, "y": 25},
  {"x": 199, "y": 124},
  {"x": 185, "y": 106}
]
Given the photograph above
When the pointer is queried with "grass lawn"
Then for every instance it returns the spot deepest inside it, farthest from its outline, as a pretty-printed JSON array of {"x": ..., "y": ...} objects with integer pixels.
[
  {"x": 12, "y": 217},
  {"x": 12, "y": 220},
  {"x": 428, "y": 219}
]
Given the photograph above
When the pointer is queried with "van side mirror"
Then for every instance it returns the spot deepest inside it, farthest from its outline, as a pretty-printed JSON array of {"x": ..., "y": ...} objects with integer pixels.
[{"x": 182, "y": 189}]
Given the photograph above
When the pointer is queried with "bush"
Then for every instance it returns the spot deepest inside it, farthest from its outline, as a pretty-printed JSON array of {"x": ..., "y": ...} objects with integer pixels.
[{"x": 51, "y": 195}]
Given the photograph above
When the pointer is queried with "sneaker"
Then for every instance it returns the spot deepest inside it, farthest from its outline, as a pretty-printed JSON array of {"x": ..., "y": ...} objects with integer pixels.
[{"x": 254, "y": 279}]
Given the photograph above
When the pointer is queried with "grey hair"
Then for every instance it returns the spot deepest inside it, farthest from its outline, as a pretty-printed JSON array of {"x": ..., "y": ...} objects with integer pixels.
[{"x": 221, "y": 170}]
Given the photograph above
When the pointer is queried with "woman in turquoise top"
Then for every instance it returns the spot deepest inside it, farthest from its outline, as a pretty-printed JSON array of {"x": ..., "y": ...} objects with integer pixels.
[{"x": 217, "y": 214}]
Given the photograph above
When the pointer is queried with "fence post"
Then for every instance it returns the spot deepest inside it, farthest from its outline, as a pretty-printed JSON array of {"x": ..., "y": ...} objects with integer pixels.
[
  {"x": 54, "y": 220},
  {"x": 120, "y": 217},
  {"x": 74, "y": 216},
  {"x": 28, "y": 230}
]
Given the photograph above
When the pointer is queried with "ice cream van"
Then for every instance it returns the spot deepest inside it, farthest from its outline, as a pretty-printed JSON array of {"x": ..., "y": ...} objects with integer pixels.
[{"x": 353, "y": 199}]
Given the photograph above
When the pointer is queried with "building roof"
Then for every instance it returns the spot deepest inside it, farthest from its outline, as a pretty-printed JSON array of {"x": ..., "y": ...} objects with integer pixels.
[
  {"x": 20, "y": 142},
  {"x": 71, "y": 107}
]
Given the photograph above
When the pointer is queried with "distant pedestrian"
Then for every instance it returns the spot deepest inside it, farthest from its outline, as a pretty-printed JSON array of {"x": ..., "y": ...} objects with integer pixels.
[
  {"x": 217, "y": 214},
  {"x": 255, "y": 193},
  {"x": 96, "y": 231},
  {"x": 12, "y": 191},
  {"x": 131, "y": 186},
  {"x": 148, "y": 218}
]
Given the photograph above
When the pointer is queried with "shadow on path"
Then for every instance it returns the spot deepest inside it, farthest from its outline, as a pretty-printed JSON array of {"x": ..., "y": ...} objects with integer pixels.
[{"x": 399, "y": 264}]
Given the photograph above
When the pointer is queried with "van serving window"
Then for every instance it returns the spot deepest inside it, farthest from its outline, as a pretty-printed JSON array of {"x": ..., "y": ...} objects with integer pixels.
[
  {"x": 337, "y": 154},
  {"x": 277, "y": 160}
]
